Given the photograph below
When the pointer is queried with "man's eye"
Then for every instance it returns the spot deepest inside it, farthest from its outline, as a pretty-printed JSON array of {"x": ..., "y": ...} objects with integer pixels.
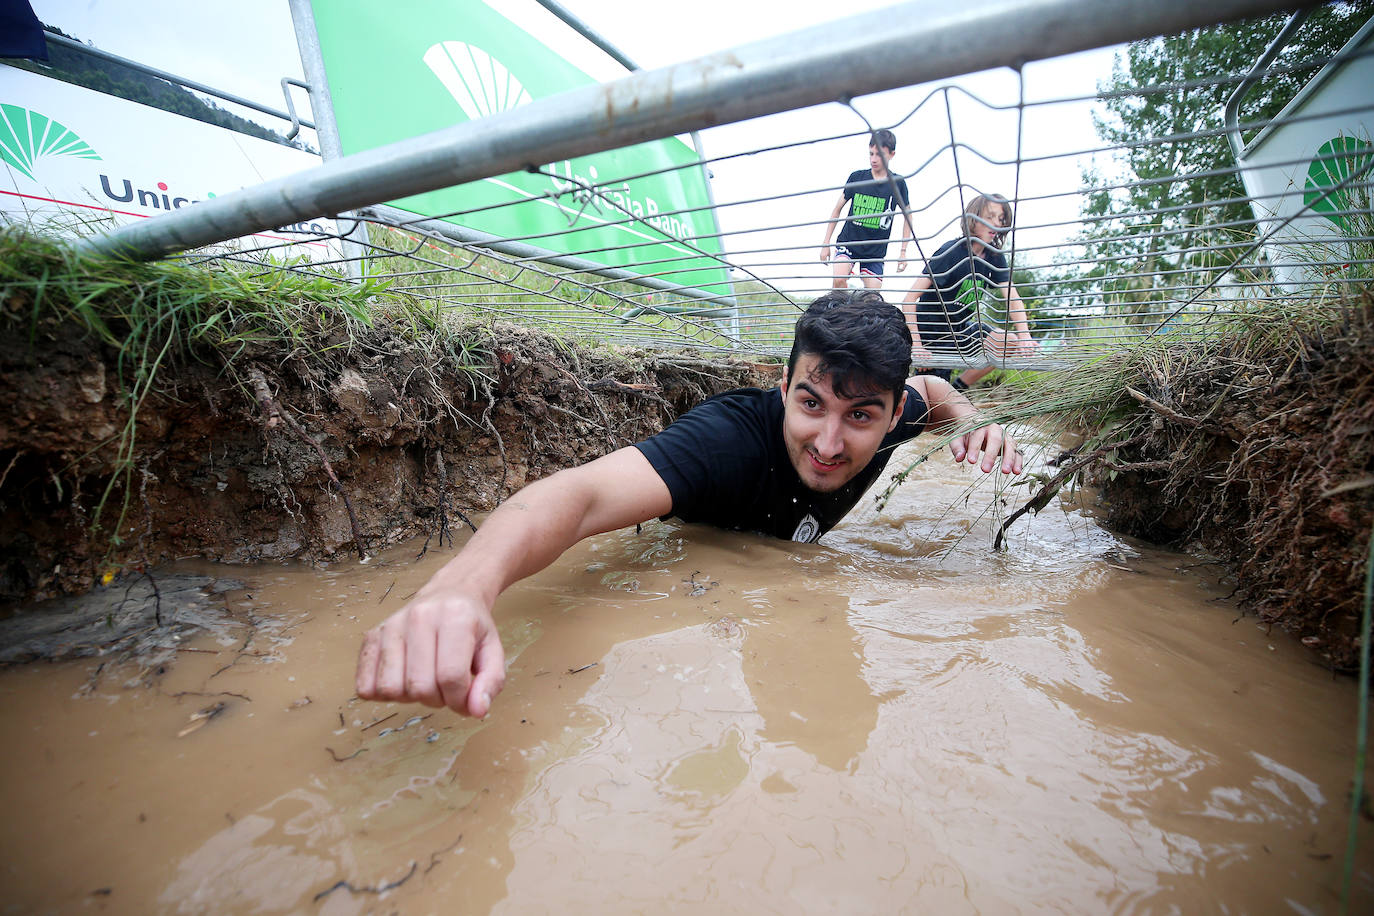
[
  {"x": 860, "y": 416},
  {"x": 811, "y": 403}
]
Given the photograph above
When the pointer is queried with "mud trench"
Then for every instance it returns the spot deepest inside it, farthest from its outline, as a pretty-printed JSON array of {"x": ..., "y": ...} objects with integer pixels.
[
  {"x": 900, "y": 719},
  {"x": 895, "y": 720}
]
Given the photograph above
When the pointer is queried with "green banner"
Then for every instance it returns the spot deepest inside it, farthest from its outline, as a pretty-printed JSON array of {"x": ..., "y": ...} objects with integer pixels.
[{"x": 396, "y": 71}]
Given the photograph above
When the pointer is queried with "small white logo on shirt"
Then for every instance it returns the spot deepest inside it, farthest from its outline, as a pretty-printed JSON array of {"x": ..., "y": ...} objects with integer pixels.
[{"x": 808, "y": 530}]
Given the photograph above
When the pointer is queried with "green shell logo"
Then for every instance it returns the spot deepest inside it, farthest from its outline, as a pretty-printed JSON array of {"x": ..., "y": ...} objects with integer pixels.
[
  {"x": 478, "y": 82},
  {"x": 1337, "y": 160},
  {"x": 27, "y": 136}
]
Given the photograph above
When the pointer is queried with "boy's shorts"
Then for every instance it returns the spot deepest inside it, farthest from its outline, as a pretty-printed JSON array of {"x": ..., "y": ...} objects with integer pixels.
[{"x": 868, "y": 257}]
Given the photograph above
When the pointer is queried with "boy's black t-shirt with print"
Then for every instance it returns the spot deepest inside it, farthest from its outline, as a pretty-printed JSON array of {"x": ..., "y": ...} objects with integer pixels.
[
  {"x": 726, "y": 464},
  {"x": 869, "y": 199},
  {"x": 960, "y": 278}
]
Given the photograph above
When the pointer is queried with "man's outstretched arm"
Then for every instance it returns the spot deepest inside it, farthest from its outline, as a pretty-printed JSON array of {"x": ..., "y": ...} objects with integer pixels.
[
  {"x": 442, "y": 648},
  {"x": 981, "y": 446}
]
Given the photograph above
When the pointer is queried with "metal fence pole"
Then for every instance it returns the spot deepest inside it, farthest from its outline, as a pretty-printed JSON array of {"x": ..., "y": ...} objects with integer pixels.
[
  {"x": 895, "y": 47},
  {"x": 356, "y": 241},
  {"x": 1231, "y": 113},
  {"x": 706, "y": 176},
  {"x": 54, "y": 38},
  {"x": 587, "y": 32}
]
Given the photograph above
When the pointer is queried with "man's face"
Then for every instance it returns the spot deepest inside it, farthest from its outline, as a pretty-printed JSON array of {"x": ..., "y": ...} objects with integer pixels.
[{"x": 829, "y": 438}]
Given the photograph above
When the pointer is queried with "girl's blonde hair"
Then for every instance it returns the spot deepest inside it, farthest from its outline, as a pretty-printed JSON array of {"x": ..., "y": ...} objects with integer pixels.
[{"x": 974, "y": 210}]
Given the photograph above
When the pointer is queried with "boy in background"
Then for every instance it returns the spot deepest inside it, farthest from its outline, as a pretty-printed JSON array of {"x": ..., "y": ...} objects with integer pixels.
[
  {"x": 946, "y": 305},
  {"x": 874, "y": 195}
]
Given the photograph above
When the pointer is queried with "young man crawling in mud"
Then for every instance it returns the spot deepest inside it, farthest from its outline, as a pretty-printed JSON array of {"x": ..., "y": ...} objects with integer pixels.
[{"x": 789, "y": 462}]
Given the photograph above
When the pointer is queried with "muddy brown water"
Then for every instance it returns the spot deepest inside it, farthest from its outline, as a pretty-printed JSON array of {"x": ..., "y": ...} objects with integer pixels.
[{"x": 896, "y": 720}]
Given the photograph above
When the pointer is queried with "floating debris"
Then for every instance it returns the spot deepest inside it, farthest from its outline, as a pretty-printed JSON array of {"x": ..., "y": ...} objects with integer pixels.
[{"x": 200, "y": 717}]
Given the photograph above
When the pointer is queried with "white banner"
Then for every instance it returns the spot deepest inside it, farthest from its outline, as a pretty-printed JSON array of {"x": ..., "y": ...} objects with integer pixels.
[
  {"x": 75, "y": 158},
  {"x": 1320, "y": 138}
]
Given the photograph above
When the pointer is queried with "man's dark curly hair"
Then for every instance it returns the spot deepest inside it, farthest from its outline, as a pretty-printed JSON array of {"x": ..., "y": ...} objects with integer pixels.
[{"x": 863, "y": 343}]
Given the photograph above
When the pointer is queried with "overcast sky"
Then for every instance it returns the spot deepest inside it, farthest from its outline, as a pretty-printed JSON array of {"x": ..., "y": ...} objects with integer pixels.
[{"x": 247, "y": 46}]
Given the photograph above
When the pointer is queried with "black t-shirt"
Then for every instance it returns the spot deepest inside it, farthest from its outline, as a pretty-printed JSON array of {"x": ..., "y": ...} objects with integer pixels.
[
  {"x": 960, "y": 279},
  {"x": 870, "y": 200},
  {"x": 725, "y": 464}
]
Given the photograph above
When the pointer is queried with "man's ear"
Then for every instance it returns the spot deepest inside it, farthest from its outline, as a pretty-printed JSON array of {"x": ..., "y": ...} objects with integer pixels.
[
  {"x": 897, "y": 414},
  {"x": 783, "y": 383}
]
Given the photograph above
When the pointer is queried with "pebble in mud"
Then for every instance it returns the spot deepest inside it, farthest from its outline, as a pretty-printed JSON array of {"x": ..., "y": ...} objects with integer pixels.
[{"x": 726, "y": 628}]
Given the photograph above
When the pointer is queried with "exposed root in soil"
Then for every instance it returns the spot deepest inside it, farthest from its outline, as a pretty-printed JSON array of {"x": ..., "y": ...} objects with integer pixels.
[{"x": 274, "y": 412}]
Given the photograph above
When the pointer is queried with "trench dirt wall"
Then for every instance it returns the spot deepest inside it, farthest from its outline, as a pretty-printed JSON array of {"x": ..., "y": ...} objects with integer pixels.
[
  {"x": 1264, "y": 457},
  {"x": 232, "y": 454}
]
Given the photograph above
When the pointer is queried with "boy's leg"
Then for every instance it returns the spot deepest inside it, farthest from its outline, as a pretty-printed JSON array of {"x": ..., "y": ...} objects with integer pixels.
[
  {"x": 841, "y": 267},
  {"x": 971, "y": 377},
  {"x": 992, "y": 341},
  {"x": 1005, "y": 343},
  {"x": 998, "y": 343}
]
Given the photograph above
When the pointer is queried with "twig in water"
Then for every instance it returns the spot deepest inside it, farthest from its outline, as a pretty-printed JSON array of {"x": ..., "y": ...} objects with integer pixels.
[
  {"x": 368, "y": 890},
  {"x": 378, "y": 722},
  {"x": 1042, "y": 497},
  {"x": 222, "y": 693},
  {"x": 243, "y": 651},
  {"x": 338, "y": 759},
  {"x": 434, "y": 856},
  {"x": 466, "y": 521}
]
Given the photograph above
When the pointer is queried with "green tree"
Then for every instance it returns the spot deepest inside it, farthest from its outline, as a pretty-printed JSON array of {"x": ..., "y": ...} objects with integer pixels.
[{"x": 1171, "y": 210}]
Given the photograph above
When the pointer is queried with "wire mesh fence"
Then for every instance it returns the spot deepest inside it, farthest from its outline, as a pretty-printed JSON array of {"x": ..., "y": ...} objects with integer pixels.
[{"x": 1161, "y": 218}]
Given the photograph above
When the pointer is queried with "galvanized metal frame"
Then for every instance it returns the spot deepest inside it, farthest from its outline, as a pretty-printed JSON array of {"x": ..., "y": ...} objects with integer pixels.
[
  {"x": 578, "y": 296},
  {"x": 289, "y": 115},
  {"x": 903, "y": 46}
]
